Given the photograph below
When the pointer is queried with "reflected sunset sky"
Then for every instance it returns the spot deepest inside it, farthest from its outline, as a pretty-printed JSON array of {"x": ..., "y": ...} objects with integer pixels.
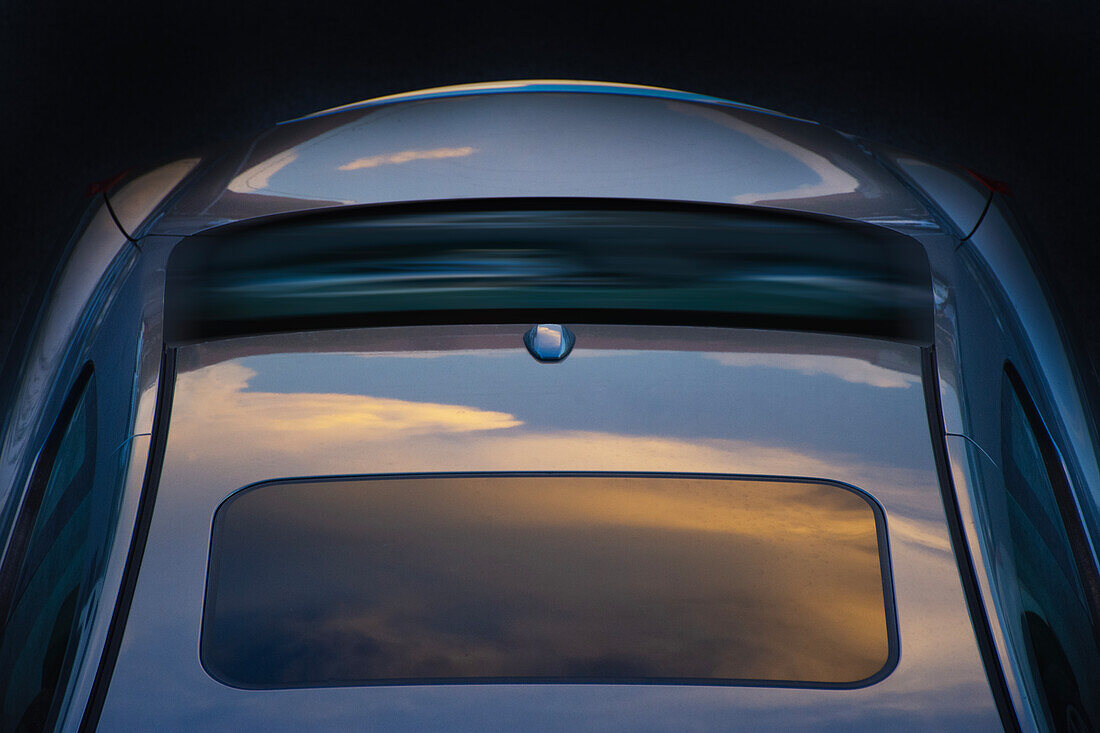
[{"x": 828, "y": 412}]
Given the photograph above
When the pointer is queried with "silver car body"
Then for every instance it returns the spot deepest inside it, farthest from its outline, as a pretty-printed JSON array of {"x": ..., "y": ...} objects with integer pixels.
[{"x": 544, "y": 140}]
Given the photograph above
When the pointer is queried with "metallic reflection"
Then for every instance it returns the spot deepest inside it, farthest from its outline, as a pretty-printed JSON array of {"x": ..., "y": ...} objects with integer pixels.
[
  {"x": 562, "y": 577},
  {"x": 852, "y": 370},
  {"x": 555, "y": 143},
  {"x": 288, "y": 421},
  {"x": 259, "y": 176},
  {"x": 832, "y": 180},
  {"x": 628, "y": 399},
  {"x": 405, "y": 156},
  {"x": 536, "y": 85}
]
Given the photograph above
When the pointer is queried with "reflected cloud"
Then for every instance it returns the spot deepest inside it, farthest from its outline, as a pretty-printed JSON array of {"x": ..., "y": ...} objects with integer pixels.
[
  {"x": 489, "y": 353},
  {"x": 405, "y": 156},
  {"x": 383, "y": 579},
  {"x": 350, "y": 433},
  {"x": 925, "y": 535},
  {"x": 281, "y": 420},
  {"x": 692, "y": 507},
  {"x": 939, "y": 684},
  {"x": 849, "y": 369}
]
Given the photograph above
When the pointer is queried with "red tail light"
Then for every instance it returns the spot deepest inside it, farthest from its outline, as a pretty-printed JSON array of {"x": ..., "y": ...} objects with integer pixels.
[
  {"x": 106, "y": 184},
  {"x": 991, "y": 183}
]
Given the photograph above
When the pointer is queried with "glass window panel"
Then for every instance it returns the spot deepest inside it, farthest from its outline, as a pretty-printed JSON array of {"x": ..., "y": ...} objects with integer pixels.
[
  {"x": 46, "y": 579},
  {"x": 1056, "y": 629},
  {"x": 549, "y": 577}
]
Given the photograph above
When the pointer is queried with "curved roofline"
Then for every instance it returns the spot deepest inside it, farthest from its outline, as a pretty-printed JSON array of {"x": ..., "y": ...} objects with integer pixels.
[
  {"x": 541, "y": 85},
  {"x": 547, "y": 138}
]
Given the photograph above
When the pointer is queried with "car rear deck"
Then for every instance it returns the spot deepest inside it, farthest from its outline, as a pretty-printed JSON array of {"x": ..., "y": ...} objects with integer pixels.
[{"x": 733, "y": 404}]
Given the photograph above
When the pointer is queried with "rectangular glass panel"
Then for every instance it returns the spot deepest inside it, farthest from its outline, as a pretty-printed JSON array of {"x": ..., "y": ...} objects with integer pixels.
[{"x": 547, "y": 577}]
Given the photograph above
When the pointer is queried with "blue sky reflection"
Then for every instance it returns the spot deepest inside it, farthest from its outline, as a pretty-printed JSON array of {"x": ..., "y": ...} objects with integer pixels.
[
  {"x": 680, "y": 389},
  {"x": 241, "y": 419}
]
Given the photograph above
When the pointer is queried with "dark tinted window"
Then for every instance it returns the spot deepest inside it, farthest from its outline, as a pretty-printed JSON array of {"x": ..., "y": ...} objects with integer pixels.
[
  {"x": 44, "y": 582},
  {"x": 1053, "y": 570},
  {"x": 553, "y": 260},
  {"x": 547, "y": 577}
]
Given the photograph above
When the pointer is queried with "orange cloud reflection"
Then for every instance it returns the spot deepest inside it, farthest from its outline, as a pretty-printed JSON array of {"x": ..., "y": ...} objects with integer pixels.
[
  {"x": 549, "y": 576},
  {"x": 304, "y": 420}
]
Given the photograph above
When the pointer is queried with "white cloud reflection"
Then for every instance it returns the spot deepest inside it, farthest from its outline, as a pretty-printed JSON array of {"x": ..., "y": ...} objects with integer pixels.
[
  {"x": 856, "y": 371},
  {"x": 487, "y": 353},
  {"x": 304, "y": 420},
  {"x": 224, "y": 437},
  {"x": 405, "y": 156},
  {"x": 308, "y": 433}
]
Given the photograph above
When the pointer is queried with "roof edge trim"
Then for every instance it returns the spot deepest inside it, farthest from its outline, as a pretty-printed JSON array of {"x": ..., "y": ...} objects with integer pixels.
[{"x": 543, "y": 86}]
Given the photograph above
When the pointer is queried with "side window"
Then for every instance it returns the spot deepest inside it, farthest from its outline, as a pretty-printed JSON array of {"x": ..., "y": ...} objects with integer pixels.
[
  {"x": 1053, "y": 567},
  {"x": 47, "y": 573}
]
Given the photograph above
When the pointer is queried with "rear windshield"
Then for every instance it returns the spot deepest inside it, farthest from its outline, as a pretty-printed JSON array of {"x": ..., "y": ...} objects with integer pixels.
[
  {"x": 550, "y": 260},
  {"x": 548, "y": 578}
]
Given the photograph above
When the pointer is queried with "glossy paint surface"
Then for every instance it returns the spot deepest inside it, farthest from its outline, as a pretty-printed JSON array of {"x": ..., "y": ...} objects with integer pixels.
[
  {"x": 961, "y": 198},
  {"x": 1036, "y": 332},
  {"x": 113, "y": 334},
  {"x": 138, "y": 199},
  {"x": 472, "y": 399},
  {"x": 92, "y": 255},
  {"x": 544, "y": 144},
  {"x": 100, "y": 259}
]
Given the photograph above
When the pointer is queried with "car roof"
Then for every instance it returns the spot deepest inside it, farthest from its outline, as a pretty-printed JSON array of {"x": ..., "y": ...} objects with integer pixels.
[
  {"x": 731, "y": 402},
  {"x": 541, "y": 139}
]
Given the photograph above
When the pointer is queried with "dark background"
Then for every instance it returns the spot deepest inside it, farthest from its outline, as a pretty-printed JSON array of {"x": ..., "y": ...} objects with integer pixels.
[{"x": 1006, "y": 88}]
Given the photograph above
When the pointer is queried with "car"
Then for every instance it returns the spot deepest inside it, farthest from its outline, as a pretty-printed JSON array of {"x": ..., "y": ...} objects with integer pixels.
[{"x": 544, "y": 405}]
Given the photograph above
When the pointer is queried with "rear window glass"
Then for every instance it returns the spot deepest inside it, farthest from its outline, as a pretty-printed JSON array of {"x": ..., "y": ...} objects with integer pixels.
[
  {"x": 548, "y": 578},
  {"x": 550, "y": 260}
]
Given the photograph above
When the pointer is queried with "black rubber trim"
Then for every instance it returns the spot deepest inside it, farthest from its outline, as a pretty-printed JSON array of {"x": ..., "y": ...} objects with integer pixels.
[
  {"x": 165, "y": 389},
  {"x": 896, "y": 330},
  {"x": 114, "y": 217},
  {"x": 981, "y": 218},
  {"x": 881, "y": 535},
  {"x": 982, "y": 633},
  {"x": 1063, "y": 497}
]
